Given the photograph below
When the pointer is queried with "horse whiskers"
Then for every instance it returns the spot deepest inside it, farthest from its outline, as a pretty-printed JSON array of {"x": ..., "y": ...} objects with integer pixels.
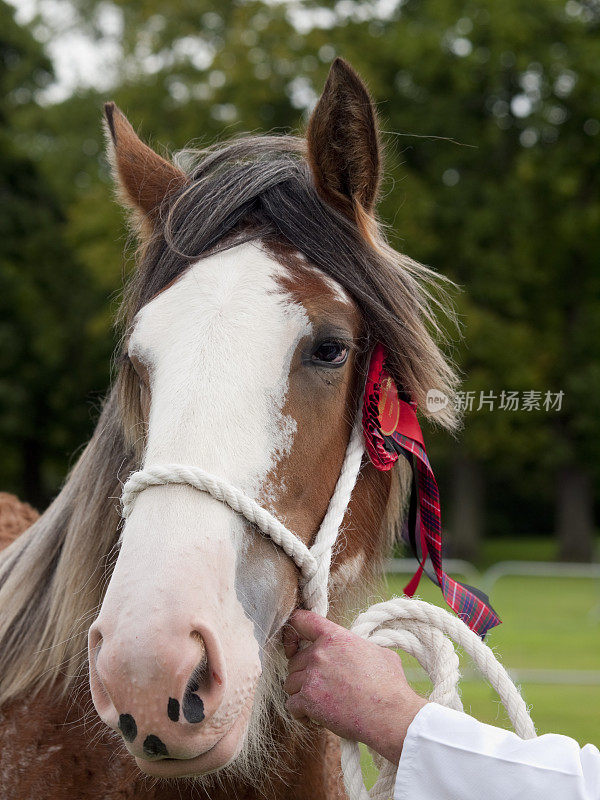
[
  {"x": 272, "y": 733},
  {"x": 83, "y": 620}
]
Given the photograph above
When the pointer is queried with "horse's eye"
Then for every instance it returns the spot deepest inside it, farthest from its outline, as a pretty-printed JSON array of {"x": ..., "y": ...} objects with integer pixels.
[{"x": 334, "y": 353}]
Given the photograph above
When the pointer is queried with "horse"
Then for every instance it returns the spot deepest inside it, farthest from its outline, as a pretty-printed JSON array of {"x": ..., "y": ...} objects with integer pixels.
[{"x": 142, "y": 658}]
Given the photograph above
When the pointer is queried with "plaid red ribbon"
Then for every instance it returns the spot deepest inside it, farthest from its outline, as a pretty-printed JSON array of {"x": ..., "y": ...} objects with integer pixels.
[{"x": 391, "y": 428}]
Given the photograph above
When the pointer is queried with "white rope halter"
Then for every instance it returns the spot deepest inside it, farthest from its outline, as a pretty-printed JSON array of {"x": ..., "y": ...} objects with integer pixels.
[
  {"x": 313, "y": 563},
  {"x": 412, "y": 625}
]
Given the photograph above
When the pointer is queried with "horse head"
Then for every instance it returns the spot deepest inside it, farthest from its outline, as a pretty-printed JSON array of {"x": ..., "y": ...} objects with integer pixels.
[{"x": 263, "y": 283}]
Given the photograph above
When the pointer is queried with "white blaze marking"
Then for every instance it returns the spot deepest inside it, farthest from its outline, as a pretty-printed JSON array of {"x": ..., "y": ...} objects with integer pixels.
[{"x": 218, "y": 344}]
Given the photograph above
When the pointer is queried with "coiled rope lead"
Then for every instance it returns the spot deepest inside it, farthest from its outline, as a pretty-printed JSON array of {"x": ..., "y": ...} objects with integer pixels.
[
  {"x": 416, "y": 627},
  {"x": 424, "y": 631}
]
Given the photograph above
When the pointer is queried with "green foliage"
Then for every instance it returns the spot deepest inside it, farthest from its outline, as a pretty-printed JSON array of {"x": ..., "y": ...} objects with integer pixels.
[
  {"x": 491, "y": 113},
  {"x": 511, "y": 216},
  {"x": 24, "y": 68},
  {"x": 48, "y": 360}
]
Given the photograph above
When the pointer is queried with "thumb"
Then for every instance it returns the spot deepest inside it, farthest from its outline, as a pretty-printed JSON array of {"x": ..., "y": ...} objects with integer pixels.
[{"x": 310, "y": 626}]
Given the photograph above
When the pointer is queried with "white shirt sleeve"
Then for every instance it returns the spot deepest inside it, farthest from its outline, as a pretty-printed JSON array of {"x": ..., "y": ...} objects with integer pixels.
[{"x": 448, "y": 755}]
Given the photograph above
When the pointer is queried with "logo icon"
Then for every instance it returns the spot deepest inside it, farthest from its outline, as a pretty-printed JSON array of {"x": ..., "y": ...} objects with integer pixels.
[{"x": 435, "y": 401}]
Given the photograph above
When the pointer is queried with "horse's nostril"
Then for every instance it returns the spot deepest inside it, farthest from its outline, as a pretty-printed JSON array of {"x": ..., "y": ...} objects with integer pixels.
[
  {"x": 127, "y": 727},
  {"x": 154, "y": 746},
  {"x": 193, "y": 707},
  {"x": 100, "y": 691},
  {"x": 200, "y": 678},
  {"x": 173, "y": 709},
  {"x": 187, "y": 676}
]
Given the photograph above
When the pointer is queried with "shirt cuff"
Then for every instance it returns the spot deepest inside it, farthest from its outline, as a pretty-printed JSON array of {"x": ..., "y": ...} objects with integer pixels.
[
  {"x": 408, "y": 765},
  {"x": 449, "y": 754}
]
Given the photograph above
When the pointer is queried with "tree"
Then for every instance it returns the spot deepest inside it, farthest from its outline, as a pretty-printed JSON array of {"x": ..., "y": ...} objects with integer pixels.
[
  {"x": 45, "y": 301},
  {"x": 513, "y": 217},
  {"x": 505, "y": 202}
]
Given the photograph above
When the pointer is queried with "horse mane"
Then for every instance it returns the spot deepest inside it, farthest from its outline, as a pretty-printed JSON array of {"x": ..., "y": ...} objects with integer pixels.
[{"x": 53, "y": 577}]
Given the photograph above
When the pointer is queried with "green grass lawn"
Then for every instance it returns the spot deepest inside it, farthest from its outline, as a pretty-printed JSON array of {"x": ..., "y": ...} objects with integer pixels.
[{"x": 546, "y": 624}]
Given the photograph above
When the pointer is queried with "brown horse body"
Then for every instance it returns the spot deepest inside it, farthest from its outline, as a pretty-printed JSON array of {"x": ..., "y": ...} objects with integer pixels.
[{"x": 47, "y": 752}]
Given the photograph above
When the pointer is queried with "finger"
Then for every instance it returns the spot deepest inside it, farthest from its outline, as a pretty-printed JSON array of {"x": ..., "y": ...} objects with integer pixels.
[
  {"x": 295, "y": 706},
  {"x": 291, "y": 640},
  {"x": 301, "y": 660},
  {"x": 310, "y": 626},
  {"x": 294, "y": 681}
]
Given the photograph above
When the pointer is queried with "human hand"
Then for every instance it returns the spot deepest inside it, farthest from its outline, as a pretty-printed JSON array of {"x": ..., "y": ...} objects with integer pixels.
[{"x": 353, "y": 687}]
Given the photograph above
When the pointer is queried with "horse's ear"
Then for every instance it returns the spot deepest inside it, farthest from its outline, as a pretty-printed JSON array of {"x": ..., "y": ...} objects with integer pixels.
[
  {"x": 343, "y": 144},
  {"x": 143, "y": 178}
]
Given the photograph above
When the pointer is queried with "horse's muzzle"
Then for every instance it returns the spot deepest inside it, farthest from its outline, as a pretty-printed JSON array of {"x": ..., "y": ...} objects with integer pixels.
[{"x": 167, "y": 695}]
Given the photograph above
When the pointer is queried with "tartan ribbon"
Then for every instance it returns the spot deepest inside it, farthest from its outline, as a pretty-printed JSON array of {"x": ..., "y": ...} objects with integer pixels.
[{"x": 391, "y": 429}]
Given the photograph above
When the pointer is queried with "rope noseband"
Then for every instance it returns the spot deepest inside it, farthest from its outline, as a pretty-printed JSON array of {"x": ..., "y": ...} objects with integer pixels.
[
  {"x": 313, "y": 563},
  {"x": 412, "y": 625}
]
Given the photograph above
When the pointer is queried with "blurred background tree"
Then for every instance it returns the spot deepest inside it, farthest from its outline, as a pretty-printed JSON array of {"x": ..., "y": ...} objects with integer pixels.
[
  {"x": 492, "y": 120},
  {"x": 48, "y": 359}
]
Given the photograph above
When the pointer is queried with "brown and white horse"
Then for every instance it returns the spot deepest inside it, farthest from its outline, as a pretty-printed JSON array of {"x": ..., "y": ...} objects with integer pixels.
[{"x": 263, "y": 282}]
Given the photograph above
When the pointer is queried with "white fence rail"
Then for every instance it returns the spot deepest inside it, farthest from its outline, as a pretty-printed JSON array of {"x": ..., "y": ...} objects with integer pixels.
[{"x": 505, "y": 569}]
